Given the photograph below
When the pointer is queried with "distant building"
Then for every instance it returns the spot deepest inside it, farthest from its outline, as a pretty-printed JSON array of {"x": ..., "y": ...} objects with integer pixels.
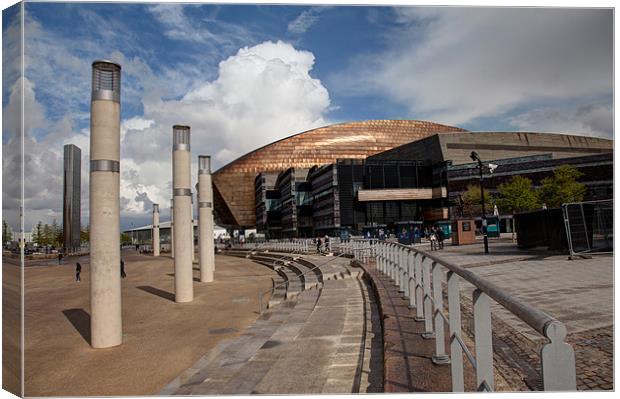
[{"x": 71, "y": 209}]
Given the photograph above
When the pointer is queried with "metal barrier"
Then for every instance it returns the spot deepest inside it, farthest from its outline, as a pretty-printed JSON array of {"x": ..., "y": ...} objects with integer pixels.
[
  {"x": 420, "y": 275},
  {"x": 589, "y": 227}
]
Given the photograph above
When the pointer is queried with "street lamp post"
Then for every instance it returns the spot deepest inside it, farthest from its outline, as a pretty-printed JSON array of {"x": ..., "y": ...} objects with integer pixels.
[{"x": 475, "y": 157}]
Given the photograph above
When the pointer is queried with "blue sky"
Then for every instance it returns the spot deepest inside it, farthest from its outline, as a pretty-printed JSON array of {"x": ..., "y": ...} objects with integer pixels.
[{"x": 245, "y": 75}]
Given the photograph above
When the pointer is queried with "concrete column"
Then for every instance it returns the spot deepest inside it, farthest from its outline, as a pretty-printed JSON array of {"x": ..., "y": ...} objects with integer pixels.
[
  {"x": 106, "y": 327},
  {"x": 205, "y": 219},
  {"x": 181, "y": 170},
  {"x": 172, "y": 228},
  {"x": 155, "y": 233}
]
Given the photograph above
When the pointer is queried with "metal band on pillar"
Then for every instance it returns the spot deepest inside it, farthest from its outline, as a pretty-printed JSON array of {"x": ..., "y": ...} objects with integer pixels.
[
  {"x": 182, "y": 192},
  {"x": 204, "y": 205},
  {"x": 105, "y": 165}
]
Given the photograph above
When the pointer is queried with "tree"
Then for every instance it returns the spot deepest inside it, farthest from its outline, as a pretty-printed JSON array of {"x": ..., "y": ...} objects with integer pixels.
[
  {"x": 471, "y": 200},
  {"x": 125, "y": 239},
  {"x": 7, "y": 235},
  {"x": 46, "y": 238},
  {"x": 55, "y": 234},
  {"x": 37, "y": 234},
  {"x": 517, "y": 195},
  {"x": 85, "y": 234},
  {"x": 562, "y": 187}
]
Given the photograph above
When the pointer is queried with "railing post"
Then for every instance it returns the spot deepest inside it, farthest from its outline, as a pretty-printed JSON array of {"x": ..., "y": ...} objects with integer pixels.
[
  {"x": 483, "y": 340},
  {"x": 440, "y": 356},
  {"x": 419, "y": 291},
  {"x": 456, "y": 352},
  {"x": 390, "y": 262},
  {"x": 411, "y": 281},
  {"x": 394, "y": 264},
  {"x": 399, "y": 271},
  {"x": 558, "y": 360},
  {"x": 428, "y": 303},
  {"x": 407, "y": 260},
  {"x": 401, "y": 274}
]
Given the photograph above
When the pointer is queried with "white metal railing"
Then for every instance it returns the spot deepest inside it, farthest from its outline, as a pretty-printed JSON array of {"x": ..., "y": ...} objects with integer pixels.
[{"x": 420, "y": 275}]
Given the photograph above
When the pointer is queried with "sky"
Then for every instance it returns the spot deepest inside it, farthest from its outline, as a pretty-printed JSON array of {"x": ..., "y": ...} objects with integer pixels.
[{"x": 243, "y": 76}]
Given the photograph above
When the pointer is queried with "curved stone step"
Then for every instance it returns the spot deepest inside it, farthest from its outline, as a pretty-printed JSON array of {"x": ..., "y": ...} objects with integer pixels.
[{"x": 304, "y": 269}]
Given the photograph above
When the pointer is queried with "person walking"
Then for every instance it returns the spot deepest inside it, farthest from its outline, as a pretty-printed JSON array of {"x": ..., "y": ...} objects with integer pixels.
[
  {"x": 78, "y": 270},
  {"x": 433, "y": 239},
  {"x": 319, "y": 243},
  {"x": 123, "y": 274},
  {"x": 440, "y": 236},
  {"x": 59, "y": 257}
]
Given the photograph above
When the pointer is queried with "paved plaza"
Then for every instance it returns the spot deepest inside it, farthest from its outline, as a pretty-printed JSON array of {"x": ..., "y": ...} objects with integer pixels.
[
  {"x": 323, "y": 335},
  {"x": 577, "y": 292},
  {"x": 161, "y": 338}
]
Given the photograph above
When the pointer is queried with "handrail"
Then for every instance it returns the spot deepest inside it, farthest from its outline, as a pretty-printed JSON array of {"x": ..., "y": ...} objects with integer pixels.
[
  {"x": 272, "y": 290},
  {"x": 407, "y": 265},
  {"x": 535, "y": 318}
]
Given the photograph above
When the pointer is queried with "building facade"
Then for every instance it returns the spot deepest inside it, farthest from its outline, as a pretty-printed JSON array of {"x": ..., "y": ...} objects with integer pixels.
[
  {"x": 233, "y": 184},
  {"x": 421, "y": 181},
  {"x": 71, "y": 209}
]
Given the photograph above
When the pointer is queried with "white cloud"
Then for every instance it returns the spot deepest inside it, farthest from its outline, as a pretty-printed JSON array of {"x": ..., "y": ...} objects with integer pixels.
[
  {"x": 453, "y": 65},
  {"x": 588, "y": 120},
  {"x": 261, "y": 94},
  {"x": 305, "y": 20}
]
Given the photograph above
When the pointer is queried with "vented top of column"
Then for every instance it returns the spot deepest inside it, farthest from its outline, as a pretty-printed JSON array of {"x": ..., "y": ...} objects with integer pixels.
[
  {"x": 155, "y": 208},
  {"x": 106, "y": 81},
  {"x": 180, "y": 137},
  {"x": 204, "y": 164}
]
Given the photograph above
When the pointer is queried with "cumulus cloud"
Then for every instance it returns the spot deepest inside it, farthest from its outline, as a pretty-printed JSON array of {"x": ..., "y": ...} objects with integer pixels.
[
  {"x": 454, "y": 65},
  {"x": 261, "y": 94}
]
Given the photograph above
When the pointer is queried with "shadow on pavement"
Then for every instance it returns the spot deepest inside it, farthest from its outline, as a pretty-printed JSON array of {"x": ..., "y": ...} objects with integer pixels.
[
  {"x": 156, "y": 291},
  {"x": 80, "y": 320},
  {"x": 172, "y": 275}
]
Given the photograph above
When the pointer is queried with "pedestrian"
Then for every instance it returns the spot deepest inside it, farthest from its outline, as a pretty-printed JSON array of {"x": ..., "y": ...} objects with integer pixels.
[
  {"x": 123, "y": 274},
  {"x": 137, "y": 247},
  {"x": 78, "y": 270},
  {"x": 318, "y": 245},
  {"x": 433, "y": 239},
  {"x": 59, "y": 257},
  {"x": 327, "y": 243},
  {"x": 440, "y": 237}
]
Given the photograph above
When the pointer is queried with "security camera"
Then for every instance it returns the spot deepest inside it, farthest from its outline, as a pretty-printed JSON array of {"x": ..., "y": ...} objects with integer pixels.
[{"x": 492, "y": 167}]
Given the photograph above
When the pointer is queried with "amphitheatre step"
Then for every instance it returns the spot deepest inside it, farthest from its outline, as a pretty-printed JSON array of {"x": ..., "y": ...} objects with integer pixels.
[
  {"x": 309, "y": 274},
  {"x": 314, "y": 344}
]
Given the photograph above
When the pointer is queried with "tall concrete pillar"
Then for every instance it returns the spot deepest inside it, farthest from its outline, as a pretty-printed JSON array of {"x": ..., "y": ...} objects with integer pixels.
[
  {"x": 172, "y": 228},
  {"x": 155, "y": 234},
  {"x": 181, "y": 176},
  {"x": 105, "y": 254},
  {"x": 205, "y": 220}
]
